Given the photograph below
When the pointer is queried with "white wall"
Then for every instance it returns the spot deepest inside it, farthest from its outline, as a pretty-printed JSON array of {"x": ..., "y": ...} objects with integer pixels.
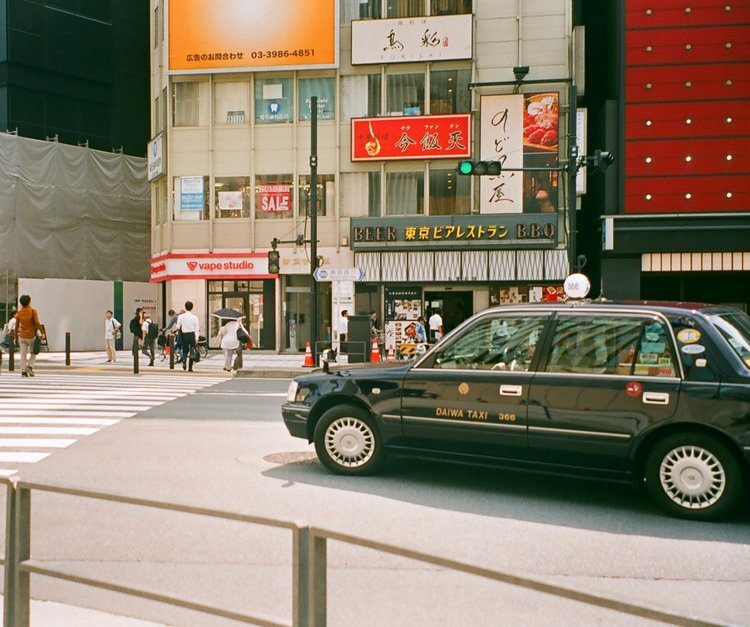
[{"x": 78, "y": 307}]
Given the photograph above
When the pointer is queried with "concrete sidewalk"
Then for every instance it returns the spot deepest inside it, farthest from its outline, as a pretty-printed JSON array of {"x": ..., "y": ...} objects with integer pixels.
[
  {"x": 50, "y": 614},
  {"x": 256, "y": 364}
]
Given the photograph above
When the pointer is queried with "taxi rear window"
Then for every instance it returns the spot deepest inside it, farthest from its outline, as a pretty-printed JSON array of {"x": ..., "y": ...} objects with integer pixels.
[{"x": 735, "y": 329}]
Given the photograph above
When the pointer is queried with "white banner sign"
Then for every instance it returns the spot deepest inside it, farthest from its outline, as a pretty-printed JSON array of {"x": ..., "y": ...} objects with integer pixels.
[
  {"x": 502, "y": 140},
  {"x": 155, "y": 157},
  {"x": 210, "y": 266},
  {"x": 403, "y": 40},
  {"x": 581, "y": 121}
]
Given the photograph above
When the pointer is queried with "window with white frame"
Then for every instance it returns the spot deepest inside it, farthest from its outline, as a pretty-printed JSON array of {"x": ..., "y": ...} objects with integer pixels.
[
  {"x": 274, "y": 198},
  {"x": 449, "y": 91},
  {"x": 450, "y": 194},
  {"x": 326, "y": 194},
  {"x": 404, "y": 193},
  {"x": 360, "y": 194},
  {"x": 325, "y": 89},
  {"x": 405, "y": 94},
  {"x": 274, "y": 100},
  {"x": 190, "y": 103},
  {"x": 231, "y": 102},
  {"x": 191, "y": 197},
  {"x": 232, "y": 196}
]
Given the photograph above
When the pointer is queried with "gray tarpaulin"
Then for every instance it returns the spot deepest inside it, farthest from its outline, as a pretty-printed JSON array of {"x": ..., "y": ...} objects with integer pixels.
[{"x": 73, "y": 213}]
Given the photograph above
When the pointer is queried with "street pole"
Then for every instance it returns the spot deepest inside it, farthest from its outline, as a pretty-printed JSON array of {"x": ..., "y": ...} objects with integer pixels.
[
  {"x": 572, "y": 160},
  {"x": 314, "y": 224}
]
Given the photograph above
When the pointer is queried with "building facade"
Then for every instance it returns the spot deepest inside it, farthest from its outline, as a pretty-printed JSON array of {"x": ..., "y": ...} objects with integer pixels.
[
  {"x": 405, "y": 90},
  {"x": 668, "y": 91},
  {"x": 76, "y": 72}
]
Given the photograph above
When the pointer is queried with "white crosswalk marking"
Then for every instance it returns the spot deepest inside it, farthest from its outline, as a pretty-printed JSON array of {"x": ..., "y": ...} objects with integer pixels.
[{"x": 52, "y": 411}]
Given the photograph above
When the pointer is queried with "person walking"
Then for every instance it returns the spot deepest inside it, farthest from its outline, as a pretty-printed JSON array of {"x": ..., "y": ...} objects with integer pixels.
[
  {"x": 150, "y": 332},
  {"x": 111, "y": 328},
  {"x": 420, "y": 335},
  {"x": 27, "y": 330},
  {"x": 136, "y": 328},
  {"x": 189, "y": 325},
  {"x": 436, "y": 326},
  {"x": 231, "y": 346}
]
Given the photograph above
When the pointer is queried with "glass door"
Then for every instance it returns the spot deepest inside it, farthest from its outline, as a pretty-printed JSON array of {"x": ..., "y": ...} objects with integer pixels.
[{"x": 238, "y": 302}]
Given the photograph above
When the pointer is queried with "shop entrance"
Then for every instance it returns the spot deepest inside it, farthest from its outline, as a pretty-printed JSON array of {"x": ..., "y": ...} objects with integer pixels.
[
  {"x": 297, "y": 318},
  {"x": 254, "y": 299},
  {"x": 455, "y": 307}
]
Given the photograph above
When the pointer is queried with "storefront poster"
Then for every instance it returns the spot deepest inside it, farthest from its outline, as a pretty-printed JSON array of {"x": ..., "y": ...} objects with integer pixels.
[
  {"x": 403, "y": 303},
  {"x": 274, "y": 198},
  {"x": 411, "y": 137},
  {"x": 232, "y": 35},
  {"x": 191, "y": 193},
  {"x": 230, "y": 201}
]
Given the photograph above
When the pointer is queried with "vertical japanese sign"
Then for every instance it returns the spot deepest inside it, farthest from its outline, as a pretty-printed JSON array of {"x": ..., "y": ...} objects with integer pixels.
[
  {"x": 191, "y": 193},
  {"x": 501, "y": 130}
]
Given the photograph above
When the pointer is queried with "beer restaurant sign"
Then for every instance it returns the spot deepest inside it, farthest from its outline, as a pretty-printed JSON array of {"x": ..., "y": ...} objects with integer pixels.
[{"x": 476, "y": 231}]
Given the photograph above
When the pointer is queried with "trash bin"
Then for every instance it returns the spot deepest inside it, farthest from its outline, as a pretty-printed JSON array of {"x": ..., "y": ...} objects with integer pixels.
[{"x": 358, "y": 340}]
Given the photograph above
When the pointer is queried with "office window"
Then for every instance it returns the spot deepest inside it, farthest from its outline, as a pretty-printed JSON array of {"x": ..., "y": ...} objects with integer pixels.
[
  {"x": 360, "y": 194},
  {"x": 325, "y": 89},
  {"x": 449, "y": 7},
  {"x": 405, "y": 94},
  {"x": 450, "y": 194},
  {"x": 404, "y": 8},
  {"x": 449, "y": 91},
  {"x": 326, "y": 200},
  {"x": 191, "y": 103},
  {"x": 274, "y": 100},
  {"x": 360, "y": 96},
  {"x": 191, "y": 197},
  {"x": 360, "y": 10},
  {"x": 404, "y": 193},
  {"x": 232, "y": 198},
  {"x": 231, "y": 103},
  {"x": 273, "y": 196}
]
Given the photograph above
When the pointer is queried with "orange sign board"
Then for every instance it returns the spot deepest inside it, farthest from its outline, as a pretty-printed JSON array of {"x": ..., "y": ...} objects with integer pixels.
[{"x": 232, "y": 35}]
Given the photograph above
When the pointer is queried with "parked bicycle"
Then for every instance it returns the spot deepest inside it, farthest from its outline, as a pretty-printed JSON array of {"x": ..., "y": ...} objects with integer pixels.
[{"x": 163, "y": 342}]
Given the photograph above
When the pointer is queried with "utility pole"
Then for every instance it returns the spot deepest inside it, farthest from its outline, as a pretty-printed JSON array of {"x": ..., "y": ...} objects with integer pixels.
[
  {"x": 572, "y": 170},
  {"x": 314, "y": 224}
]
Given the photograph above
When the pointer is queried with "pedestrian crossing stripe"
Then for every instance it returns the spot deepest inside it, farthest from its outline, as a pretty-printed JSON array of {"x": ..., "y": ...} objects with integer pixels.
[{"x": 52, "y": 411}]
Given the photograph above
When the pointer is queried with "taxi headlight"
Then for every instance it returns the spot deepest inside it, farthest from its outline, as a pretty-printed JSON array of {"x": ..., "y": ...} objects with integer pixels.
[{"x": 291, "y": 392}]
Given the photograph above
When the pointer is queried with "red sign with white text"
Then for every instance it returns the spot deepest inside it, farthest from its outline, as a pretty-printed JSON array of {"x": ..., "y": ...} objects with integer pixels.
[
  {"x": 210, "y": 266},
  {"x": 274, "y": 198},
  {"x": 411, "y": 137}
]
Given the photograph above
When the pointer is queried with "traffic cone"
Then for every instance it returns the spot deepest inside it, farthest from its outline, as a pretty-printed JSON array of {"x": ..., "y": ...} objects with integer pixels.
[
  {"x": 391, "y": 353},
  {"x": 308, "y": 357},
  {"x": 375, "y": 352}
]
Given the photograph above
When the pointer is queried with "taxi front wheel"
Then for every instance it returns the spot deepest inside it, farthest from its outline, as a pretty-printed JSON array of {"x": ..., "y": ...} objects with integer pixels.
[
  {"x": 693, "y": 475},
  {"x": 347, "y": 441}
]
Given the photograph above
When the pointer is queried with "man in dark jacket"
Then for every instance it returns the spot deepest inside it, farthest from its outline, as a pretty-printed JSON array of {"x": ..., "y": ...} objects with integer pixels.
[{"x": 136, "y": 329}]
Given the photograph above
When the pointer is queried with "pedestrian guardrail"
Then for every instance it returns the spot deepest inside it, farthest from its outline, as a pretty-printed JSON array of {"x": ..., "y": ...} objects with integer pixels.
[{"x": 309, "y": 565}]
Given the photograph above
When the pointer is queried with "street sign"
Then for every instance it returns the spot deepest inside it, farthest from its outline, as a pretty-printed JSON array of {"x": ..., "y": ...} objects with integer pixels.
[{"x": 338, "y": 274}]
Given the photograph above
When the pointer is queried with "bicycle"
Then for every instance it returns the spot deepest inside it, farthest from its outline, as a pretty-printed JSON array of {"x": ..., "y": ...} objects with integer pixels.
[{"x": 163, "y": 342}]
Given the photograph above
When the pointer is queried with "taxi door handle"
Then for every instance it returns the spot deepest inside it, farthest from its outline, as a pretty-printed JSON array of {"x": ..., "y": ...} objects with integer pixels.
[
  {"x": 656, "y": 398},
  {"x": 511, "y": 390}
]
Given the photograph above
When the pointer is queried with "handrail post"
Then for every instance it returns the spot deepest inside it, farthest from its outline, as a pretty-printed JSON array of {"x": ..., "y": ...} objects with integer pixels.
[
  {"x": 170, "y": 343},
  {"x": 16, "y": 611},
  {"x": 67, "y": 348},
  {"x": 309, "y": 587}
]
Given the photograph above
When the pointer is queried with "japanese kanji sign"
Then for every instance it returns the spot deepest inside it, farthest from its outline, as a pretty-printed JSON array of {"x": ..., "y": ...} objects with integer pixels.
[{"x": 411, "y": 137}]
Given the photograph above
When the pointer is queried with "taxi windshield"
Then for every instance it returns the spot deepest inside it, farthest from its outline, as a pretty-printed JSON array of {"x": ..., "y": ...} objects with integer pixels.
[{"x": 735, "y": 327}]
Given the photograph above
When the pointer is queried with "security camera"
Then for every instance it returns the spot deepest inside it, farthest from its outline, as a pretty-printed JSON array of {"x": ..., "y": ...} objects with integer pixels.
[{"x": 520, "y": 72}]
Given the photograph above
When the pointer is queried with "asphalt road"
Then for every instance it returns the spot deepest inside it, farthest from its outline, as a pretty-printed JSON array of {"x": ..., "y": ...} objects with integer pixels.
[{"x": 225, "y": 447}]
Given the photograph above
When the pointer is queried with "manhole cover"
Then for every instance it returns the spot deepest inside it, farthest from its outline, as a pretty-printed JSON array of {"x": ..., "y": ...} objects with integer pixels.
[{"x": 294, "y": 457}]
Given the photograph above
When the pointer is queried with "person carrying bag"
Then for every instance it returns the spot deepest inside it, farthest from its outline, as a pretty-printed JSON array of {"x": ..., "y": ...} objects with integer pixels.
[{"x": 29, "y": 333}]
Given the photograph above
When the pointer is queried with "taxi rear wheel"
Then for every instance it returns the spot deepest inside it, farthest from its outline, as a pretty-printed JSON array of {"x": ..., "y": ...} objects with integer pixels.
[
  {"x": 347, "y": 441},
  {"x": 693, "y": 475}
]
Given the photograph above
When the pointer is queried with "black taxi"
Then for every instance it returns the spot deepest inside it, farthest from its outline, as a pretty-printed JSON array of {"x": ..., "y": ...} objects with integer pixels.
[{"x": 643, "y": 392}]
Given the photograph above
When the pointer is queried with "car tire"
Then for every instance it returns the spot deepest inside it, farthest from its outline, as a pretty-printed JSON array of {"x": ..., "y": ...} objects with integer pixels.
[
  {"x": 347, "y": 441},
  {"x": 694, "y": 476}
]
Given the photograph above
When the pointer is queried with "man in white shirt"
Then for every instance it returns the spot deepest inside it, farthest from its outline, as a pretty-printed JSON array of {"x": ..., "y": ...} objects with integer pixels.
[
  {"x": 436, "y": 326},
  {"x": 111, "y": 325},
  {"x": 189, "y": 325}
]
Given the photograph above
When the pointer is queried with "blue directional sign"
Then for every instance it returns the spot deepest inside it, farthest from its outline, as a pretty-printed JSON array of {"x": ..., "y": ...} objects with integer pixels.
[{"x": 338, "y": 274}]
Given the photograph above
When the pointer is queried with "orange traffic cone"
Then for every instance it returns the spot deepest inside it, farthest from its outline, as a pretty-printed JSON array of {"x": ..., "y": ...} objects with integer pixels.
[
  {"x": 308, "y": 357},
  {"x": 375, "y": 352},
  {"x": 391, "y": 353}
]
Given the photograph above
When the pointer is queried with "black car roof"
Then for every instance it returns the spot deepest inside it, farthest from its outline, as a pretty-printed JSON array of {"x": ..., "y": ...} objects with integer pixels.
[{"x": 661, "y": 306}]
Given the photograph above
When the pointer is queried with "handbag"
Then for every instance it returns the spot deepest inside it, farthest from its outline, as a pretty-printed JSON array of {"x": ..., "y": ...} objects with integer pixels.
[
  {"x": 195, "y": 355},
  {"x": 37, "y": 345},
  {"x": 242, "y": 336}
]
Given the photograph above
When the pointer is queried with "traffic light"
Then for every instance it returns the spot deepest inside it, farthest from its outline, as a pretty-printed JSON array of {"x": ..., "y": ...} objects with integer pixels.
[
  {"x": 479, "y": 168},
  {"x": 273, "y": 261},
  {"x": 603, "y": 159}
]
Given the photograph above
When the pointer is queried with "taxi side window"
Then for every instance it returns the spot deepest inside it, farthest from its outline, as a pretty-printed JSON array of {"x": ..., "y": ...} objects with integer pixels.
[
  {"x": 611, "y": 345},
  {"x": 499, "y": 343}
]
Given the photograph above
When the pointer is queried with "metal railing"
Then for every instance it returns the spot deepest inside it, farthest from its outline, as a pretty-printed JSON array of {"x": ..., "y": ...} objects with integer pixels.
[{"x": 309, "y": 565}]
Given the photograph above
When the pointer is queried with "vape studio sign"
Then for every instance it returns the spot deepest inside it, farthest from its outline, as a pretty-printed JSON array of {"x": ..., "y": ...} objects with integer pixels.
[{"x": 210, "y": 266}]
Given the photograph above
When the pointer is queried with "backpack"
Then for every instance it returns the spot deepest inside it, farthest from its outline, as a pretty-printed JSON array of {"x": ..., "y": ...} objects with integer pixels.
[
  {"x": 242, "y": 336},
  {"x": 153, "y": 330}
]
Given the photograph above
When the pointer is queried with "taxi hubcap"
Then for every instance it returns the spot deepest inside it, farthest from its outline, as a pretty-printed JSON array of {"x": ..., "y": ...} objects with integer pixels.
[
  {"x": 350, "y": 442},
  {"x": 692, "y": 477}
]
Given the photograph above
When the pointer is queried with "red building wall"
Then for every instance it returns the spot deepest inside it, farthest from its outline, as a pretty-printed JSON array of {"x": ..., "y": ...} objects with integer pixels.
[{"x": 687, "y": 106}]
